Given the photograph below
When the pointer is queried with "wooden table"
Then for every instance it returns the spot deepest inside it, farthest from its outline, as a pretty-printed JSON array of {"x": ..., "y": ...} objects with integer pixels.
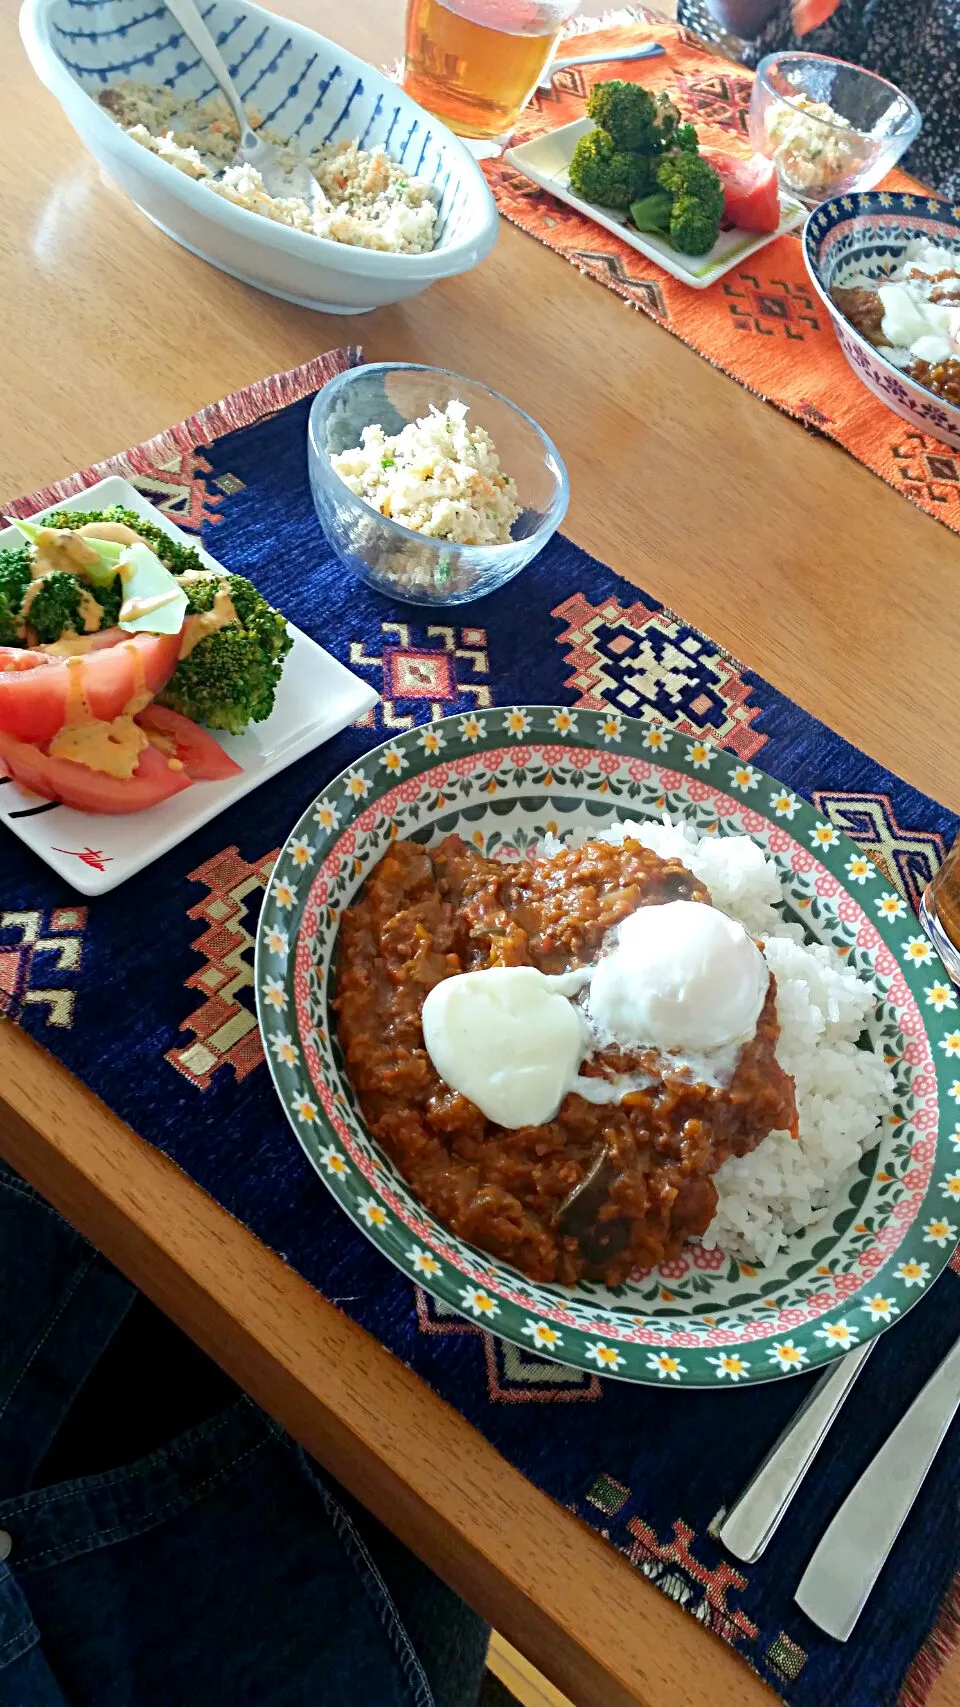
[{"x": 777, "y": 544}]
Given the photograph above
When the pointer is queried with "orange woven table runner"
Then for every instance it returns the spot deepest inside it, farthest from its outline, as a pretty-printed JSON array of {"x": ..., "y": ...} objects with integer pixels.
[{"x": 762, "y": 323}]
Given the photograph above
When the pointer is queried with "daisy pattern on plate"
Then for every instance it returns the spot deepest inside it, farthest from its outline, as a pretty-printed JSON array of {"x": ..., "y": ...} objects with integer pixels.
[
  {"x": 880, "y": 1309},
  {"x": 373, "y": 1212},
  {"x": 913, "y": 1273},
  {"x": 951, "y": 1043},
  {"x": 940, "y": 996},
  {"x": 284, "y": 893},
  {"x": 472, "y": 728},
  {"x": 951, "y": 1186},
  {"x": 284, "y": 1048},
  {"x": 891, "y": 906},
  {"x": 824, "y": 836},
  {"x": 305, "y": 1109},
  {"x": 700, "y": 753},
  {"x": 785, "y": 804},
  {"x": 276, "y": 940},
  {"x": 954, "y": 1090},
  {"x": 431, "y": 739},
  {"x": 612, "y": 727},
  {"x": 327, "y": 815},
  {"x": 564, "y": 722},
  {"x": 788, "y": 1355},
  {"x": 422, "y": 1261},
  {"x": 838, "y": 1333},
  {"x": 605, "y": 1356},
  {"x": 274, "y": 993},
  {"x": 940, "y": 1233},
  {"x": 668, "y": 1367},
  {"x": 301, "y": 851},
  {"x": 479, "y": 1303},
  {"x": 544, "y": 1337},
  {"x": 516, "y": 722},
  {"x": 858, "y": 868},
  {"x": 744, "y": 777},
  {"x": 916, "y": 951},
  {"x": 954, "y": 1136},
  {"x": 393, "y": 760},
  {"x": 333, "y": 1161},
  {"x": 728, "y": 1363},
  {"x": 655, "y": 739},
  {"x": 357, "y": 784}
]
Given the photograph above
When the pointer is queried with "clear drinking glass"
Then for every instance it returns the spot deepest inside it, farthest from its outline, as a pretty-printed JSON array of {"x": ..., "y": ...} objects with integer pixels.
[
  {"x": 475, "y": 63},
  {"x": 940, "y": 911}
]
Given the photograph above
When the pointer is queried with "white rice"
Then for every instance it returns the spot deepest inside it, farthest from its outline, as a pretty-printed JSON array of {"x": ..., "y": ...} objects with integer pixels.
[{"x": 843, "y": 1093}]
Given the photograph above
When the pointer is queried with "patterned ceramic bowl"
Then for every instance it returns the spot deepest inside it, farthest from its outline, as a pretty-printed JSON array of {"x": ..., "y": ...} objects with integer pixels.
[
  {"x": 306, "y": 88},
  {"x": 864, "y": 236},
  {"x": 501, "y": 779}
]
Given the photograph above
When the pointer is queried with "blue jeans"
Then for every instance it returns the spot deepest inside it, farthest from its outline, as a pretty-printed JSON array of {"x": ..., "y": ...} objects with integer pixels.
[{"x": 216, "y": 1569}]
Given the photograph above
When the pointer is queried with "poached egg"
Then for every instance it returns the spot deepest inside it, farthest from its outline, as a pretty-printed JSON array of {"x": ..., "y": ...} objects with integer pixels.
[{"x": 679, "y": 977}]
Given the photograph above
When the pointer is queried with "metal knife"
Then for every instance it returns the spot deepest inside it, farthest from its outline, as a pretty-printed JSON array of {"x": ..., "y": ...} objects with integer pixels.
[{"x": 837, "y": 1583}]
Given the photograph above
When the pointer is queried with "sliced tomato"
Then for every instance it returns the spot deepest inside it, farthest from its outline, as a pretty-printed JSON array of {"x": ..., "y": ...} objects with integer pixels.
[
  {"x": 810, "y": 14},
  {"x": 203, "y": 758},
  {"x": 34, "y": 700},
  {"x": 15, "y": 658},
  {"x": 88, "y": 790},
  {"x": 751, "y": 198}
]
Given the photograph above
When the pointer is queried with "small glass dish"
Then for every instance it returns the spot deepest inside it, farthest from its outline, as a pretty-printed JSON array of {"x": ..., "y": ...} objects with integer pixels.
[
  {"x": 819, "y": 154},
  {"x": 396, "y": 560}
]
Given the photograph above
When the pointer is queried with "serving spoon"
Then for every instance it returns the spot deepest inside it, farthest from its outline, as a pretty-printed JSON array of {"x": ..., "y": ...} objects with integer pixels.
[
  {"x": 650, "y": 50},
  {"x": 254, "y": 150}
]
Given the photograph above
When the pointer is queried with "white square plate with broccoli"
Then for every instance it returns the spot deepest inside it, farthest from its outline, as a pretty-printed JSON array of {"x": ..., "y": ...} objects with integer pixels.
[
  {"x": 546, "y": 161},
  {"x": 316, "y": 698}
]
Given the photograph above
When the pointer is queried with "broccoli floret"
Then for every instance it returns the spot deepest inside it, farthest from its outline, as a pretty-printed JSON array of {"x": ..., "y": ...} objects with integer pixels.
[
  {"x": 692, "y": 230},
  {"x": 230, "y": 678},
  {"x": 627, "y": 113},
  {"x": 15, "y": 577},
  {"x": 639, "y": 123},
  {"x": 178, "y": 558},
  {"x": 601, "y": 172},
  {"x": 63, "y": 600},
  {"x": 652, "y": 213},
  {"x": 697, "y": 194},
  {"x": 55, "y": 608},
  {"x": 685, "y": 174},
  {"x": 687, "y": 206}
]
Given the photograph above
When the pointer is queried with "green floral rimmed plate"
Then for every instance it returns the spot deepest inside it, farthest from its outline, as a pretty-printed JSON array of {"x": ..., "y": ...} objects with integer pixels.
[{"x": 501, "y": 780}]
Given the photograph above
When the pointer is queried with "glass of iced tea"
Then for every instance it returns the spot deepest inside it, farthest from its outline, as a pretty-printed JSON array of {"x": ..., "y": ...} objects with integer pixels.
[
  {"x": 475, "y": 63},
  {"x": 940, "y": 911}
]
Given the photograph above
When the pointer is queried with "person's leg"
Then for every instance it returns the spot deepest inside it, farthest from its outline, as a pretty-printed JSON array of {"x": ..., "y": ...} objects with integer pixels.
[{"x": 449, "y": 1639}]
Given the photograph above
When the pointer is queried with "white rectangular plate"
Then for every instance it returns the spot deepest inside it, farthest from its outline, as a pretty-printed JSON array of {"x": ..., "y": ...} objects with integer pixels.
[
  {"x": 547, "y": 161},
  {"x": 317, "y": 697}
]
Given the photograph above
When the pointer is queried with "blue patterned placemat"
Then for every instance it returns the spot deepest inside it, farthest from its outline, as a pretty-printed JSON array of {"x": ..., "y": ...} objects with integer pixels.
[{"x": 171, "y": 953}]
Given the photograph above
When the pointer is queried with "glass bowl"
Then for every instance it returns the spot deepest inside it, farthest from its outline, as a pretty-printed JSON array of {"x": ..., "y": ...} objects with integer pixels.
[
  {"x": 816, "y": 156},
  {"x": 396, "y": 560}
]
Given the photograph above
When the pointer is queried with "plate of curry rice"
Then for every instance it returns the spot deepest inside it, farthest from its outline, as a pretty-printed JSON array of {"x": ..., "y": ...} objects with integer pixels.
[{"x": 685, "y": 1224}]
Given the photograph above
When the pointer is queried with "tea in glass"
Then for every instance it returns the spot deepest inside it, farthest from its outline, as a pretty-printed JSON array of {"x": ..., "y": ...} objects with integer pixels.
[
  {"x": 475, "y": 63},
  {"x": 940, "y": 911}
]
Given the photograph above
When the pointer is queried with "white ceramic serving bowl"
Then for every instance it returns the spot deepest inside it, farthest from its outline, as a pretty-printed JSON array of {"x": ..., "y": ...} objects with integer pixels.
[{"x": 305, "y": 87}]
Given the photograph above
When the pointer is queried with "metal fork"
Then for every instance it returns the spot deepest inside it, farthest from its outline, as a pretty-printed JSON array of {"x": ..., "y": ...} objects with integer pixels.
[
  {"x": 754, "y": 1518},
  {"x": 254, "y": 150}
]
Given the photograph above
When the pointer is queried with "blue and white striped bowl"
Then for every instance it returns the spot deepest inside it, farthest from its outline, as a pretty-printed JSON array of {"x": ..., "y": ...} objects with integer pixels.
[{"x": 306, "y": 87}]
